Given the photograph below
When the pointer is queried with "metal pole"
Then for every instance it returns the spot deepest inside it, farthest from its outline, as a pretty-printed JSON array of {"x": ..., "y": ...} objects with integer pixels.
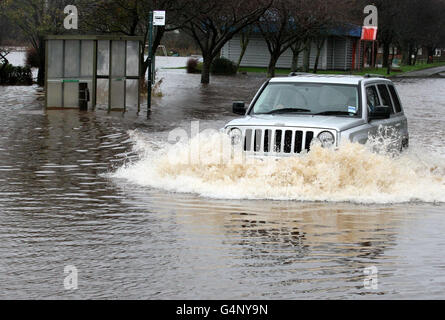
[{"x": 150, "y": 61}]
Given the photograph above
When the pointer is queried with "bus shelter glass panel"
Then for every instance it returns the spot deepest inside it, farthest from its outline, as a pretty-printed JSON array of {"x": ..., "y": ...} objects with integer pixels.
[
  {"x": 117, "y": 94},
  {"x": 72, "y": 58},
  {"x": 55, "y": 61},
  {"x": 87, "y": 59},
  {"x": 118, "y": 64},
  {"x": 54, "y": 94},
  {"x": 132, "y": 74},
  {"x": 87, "y": 72},
  {"x": 118, "y": 59},
  {"x": 103, "y": 57},
  {"x": 71, "y": 95},
  {"x": 132, "y": 93},
  {"x": 70, "y": 63},
  {"x": 132, "y": 58},
  {"x": 102, "y": 92}
]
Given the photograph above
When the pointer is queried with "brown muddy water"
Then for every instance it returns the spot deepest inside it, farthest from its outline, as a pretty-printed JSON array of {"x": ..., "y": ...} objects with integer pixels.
[{"x": 78, "y": 188}]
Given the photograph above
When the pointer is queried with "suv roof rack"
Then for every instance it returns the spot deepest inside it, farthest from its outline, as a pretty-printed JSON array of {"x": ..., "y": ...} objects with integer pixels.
[
  {"x": 370, "y": 75},
  {"x": 296, "y": 74}
]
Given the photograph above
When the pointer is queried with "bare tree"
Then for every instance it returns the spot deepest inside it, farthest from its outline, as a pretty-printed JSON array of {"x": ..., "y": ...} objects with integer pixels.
[
  {"x": 37, "y": 18},
  {"x": 297, "y": 47},
  {"x": 432, "y": 29},
  {"x": 326, "y": 16},
  {"x": 131, "y": 18},
  {"x": 279, "y": 29},
  {"x": 307, "y": 48},
  {"x": 295, "y": 24},
  {"x": 244, "y": 43},
  {"x": 215, "y": 22},
  {"x": 319, "y": 43}
]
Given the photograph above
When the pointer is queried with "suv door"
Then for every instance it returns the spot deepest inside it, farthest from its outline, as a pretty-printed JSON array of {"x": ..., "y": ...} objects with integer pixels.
[
  {"x": 399, "y": 114},
  {"x": 378, "y": 95},
  {"x": 396, "y": 123}
]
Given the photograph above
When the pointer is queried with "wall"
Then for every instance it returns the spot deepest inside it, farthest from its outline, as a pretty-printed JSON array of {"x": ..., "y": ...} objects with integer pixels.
[{"x": 336, "y": 53}]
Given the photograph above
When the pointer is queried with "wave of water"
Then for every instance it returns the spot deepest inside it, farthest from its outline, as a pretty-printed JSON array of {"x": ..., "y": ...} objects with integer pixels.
[{"x": 352, "y": 173}]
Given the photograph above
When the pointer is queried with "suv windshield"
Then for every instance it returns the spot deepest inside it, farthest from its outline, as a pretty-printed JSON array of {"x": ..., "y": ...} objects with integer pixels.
[{"x": 309, "y": 98}]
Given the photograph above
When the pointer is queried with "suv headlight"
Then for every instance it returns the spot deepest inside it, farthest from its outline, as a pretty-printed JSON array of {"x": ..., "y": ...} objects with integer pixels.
[
  {"x": 327, "y": 139},
  {"x": 235, "y": 136}
]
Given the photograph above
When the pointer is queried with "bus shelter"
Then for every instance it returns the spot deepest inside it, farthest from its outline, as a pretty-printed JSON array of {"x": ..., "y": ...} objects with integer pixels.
[{"x": 86, "y": 72}]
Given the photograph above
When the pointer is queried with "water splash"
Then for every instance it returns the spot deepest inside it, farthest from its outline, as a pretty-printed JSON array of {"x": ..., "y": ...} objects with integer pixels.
[{"x": 353, "y": 173}]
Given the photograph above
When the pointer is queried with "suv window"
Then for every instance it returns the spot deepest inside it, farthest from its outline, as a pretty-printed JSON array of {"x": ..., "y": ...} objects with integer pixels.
[
  {"x": 395, "y": 99},
  {"x": 386, "y": 98},
  {"x": 323, "y": 99},
  {"x": 372, "y": 98}
]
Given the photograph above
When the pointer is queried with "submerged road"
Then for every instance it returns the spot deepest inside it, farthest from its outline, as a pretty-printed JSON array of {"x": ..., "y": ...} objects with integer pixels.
[
  {"x": 425, "y": 73},
  {"x": 59, "y": 207}
]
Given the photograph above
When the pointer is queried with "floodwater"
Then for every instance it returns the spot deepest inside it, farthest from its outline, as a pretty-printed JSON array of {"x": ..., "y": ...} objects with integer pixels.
[{"x": 87, "y": 189}]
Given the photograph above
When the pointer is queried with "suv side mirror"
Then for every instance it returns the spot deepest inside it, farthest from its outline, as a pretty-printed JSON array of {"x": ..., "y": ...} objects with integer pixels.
[
  {"x": 380, "y": 113},
  {"x": 239, "y": 107}
]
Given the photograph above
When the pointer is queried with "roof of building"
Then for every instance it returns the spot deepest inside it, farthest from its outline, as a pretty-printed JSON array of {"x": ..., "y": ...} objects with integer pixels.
[
  {"x": 342, "y": 30},
  {"x": 93, "y": 37}
]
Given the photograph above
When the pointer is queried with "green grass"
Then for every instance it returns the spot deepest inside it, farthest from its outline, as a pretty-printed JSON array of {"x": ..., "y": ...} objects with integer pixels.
[{"x": 379, "y": 71}]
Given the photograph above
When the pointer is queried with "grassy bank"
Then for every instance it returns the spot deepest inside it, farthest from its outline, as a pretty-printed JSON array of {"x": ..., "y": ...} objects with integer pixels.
[{"x": 379, "y": 71}]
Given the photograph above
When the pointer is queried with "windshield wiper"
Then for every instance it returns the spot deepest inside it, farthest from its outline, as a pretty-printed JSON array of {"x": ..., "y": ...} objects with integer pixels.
[
  {"x": 288, "y": 110},
  {"x": 333, "y": 113}
]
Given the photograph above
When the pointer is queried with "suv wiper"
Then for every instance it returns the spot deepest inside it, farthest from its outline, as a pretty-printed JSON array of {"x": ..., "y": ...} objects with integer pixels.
[
  {"x": 288, "y": 110},
  {"x": 333, "y": 113}
]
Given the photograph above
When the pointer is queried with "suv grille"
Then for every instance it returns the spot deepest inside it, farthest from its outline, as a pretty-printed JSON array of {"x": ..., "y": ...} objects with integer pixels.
[{"x": 277, "y": 141}]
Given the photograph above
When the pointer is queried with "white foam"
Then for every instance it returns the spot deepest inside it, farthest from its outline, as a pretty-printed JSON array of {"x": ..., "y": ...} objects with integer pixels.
[{"x": 350, "y": 174}]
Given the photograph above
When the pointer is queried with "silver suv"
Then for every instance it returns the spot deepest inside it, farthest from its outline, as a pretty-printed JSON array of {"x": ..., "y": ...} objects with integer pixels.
[{"x": 287, "y": 114}]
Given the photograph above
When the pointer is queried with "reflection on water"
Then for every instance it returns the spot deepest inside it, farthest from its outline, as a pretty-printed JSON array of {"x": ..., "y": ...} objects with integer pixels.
[{"x": 57, "y": 208}]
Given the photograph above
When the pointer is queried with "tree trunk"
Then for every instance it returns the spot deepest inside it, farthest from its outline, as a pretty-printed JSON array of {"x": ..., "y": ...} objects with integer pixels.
[
  {"x": 272, "y": 66},
  {"x": 245, "y": 37},
  {"x": 319, "y": 43},
  {"x": 407, "y": 53},
  {"x": 307, "y": 56},
  {"x": 41, "y": 52},
  {"x": 414, "y": 55},
  {"x": 430, "y": 51},
  {"x": 317, "y": 58},
  {"x": 296, "y": 49},
  {"x": 205, "y": 74},
  {"x": 389, "y": 67},
  {"x": 415, "y": 51},
  {"x": 385, "y": 55},
  {"x": 410, "y": 54},
  {"x": 294, "y": 66}
]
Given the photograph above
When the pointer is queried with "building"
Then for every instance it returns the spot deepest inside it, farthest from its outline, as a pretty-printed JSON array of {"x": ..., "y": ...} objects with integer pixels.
[{"x": 340, "y": 51}]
